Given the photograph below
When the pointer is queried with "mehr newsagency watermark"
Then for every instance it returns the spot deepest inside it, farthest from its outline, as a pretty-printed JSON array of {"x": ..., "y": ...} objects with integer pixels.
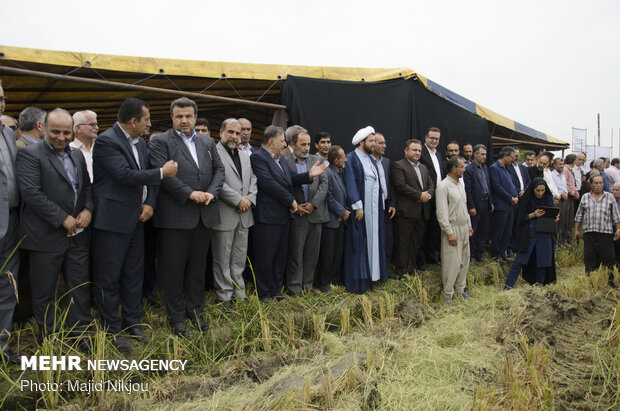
[{"x": 75, "y": 363}]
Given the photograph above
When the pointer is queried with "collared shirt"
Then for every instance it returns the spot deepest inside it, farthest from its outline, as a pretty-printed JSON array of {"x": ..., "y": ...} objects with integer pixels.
[
  {"x": 134, "y": 149},
  {"x": 483, "y": 178},
  {"x": 382, "y": 179},
  {"x": 247, "y": 148},
  {"x": 8, "y": 169},
  {"x": 598, "y": 216},
  {"x": 570, "y": 180},
  {"x": 613, "y": 175},
  {"x": 550, "y": 183},
  {"x": 416, "y": 168},
  {"x": 69, "y": 166},
  {"x": 436, "y": 164},
  {"x": 451, "y": 202},
  {"x": 276, "y": 159},
  {"x": 560, "y": 182},
  {"x": 302, "y": 167},
  {"x": 577, "y": 173},
  {"x": 190, "y": 143},
  {"x": 234, "y": 155},
  {"x": 30, "y": 139},
  {"x": 88, "y": 155},
  {"x": 519, "y": 176}
]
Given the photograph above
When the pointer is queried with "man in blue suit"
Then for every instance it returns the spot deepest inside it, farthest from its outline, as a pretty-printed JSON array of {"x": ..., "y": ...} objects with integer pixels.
[
  {"x": 505, "y": 197},
  {"x": 124, "y": 200},
  {"x": 479, "y": 200},
  {"x": 275, "y": 203},
  {"x": 332, "y": 236}
]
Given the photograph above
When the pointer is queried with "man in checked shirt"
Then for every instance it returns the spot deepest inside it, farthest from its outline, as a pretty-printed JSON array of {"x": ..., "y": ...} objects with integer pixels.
[{"x": 597, "y": 211}]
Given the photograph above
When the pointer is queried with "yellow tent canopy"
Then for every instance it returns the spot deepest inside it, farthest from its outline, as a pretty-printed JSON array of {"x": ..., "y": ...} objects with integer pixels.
[{"x": 99, "y": 82}]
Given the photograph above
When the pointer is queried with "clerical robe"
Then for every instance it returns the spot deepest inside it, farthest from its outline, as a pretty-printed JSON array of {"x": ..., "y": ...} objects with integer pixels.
[{"x": 364, "y": 251}]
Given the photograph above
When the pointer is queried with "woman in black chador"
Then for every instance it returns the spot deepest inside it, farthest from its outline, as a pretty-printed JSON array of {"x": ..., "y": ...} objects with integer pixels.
[{"x": 535, "y": 257}]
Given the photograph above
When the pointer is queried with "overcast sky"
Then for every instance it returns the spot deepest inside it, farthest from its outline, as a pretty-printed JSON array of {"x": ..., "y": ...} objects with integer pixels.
[{"x": 550, "y": 65}]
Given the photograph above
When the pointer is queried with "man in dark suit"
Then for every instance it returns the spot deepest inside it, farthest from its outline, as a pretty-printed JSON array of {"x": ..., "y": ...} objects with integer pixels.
[
  {"x": 9, "y": 208},
  {"x": 505, "y": 197},
  {"x": 57, "y": 209},
  {"x": 479, "y": 200},
  {"x": 434, "y": 162},
  {"x": 378, "y": 151},
  {"x": 332, "y": 236},
  {"x": 124, "y": 200},
  {"x": 186, "y": 211},
  {"x": 413, "y": 190},
  {"x": 305, "y": 230},
  {"x": 520, "y": 179},
  {"x": 275, "y": 203}
]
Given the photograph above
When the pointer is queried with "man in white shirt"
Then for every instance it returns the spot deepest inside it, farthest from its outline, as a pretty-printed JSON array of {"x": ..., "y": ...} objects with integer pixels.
[{"x": 85, "y": 128}]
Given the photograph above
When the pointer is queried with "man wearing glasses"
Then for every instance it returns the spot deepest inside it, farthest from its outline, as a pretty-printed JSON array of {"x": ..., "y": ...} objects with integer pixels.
[{"x": 85, "y": 128}]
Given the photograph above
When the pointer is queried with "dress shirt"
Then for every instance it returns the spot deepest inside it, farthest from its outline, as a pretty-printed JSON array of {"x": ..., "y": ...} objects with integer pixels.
[
  {"x": 560, "y": 182},
  {"x": 436, "y": 165},
  {"x": 88, "y": 155},
  {"x": 8, "y": 169},
  {"x": 302, "y": 167},
  {"x": 518, "y": 171},
  {"x": 30, "y": 139},
  {"x": 276, "y": 159},
  {"x": 613, "y": 175},
  {"x": 598, "y": 216},
  {"x": 190, "y": 143},
  {"x": 234, "y": 155},
  {"x": 416, "y": 168},
  {"x": 482, "y": 176},
  {"x": 132, "y": 143},
  {"x": 67, "y": 163},
  {"x": 246, "y": 147},
  {"x": 577, "y": 173},
  {"x": 551, "y": 183},
  {"x": 570, "y": 180},
  {"x": 451, "y": 203},
  {"x": 382, "y": 179}
]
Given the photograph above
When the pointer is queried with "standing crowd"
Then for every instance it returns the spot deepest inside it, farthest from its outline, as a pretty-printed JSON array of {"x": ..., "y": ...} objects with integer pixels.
[{"x": 112, "y": 211}]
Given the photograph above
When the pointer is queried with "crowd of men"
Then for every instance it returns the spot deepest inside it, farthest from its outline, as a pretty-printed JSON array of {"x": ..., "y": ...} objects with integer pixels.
[{"x": 101, "y": 209}]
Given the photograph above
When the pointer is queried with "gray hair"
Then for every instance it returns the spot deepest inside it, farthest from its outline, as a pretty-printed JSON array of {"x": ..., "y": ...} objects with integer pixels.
[
  {"x": 596, "y": 163},
  {"x": 479, "y": 147},
  {"x": 29, "y": 117},
  {"x": 228, "y": 122},
  {"x": 79, "y": 117},
  {"x": 293, "y": 132}
]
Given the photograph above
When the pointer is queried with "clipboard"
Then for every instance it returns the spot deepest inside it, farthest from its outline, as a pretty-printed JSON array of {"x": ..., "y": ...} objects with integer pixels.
[{"x": 546, "y": 223}]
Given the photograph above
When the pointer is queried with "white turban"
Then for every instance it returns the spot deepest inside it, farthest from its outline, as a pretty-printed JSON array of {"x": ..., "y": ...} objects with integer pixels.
[{"x": 362, "y": 134}]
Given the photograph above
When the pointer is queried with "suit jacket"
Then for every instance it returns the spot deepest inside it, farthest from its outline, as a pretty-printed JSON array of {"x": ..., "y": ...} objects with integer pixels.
[
  {"x": 502, "y": 187},
  {"x": 22, "y": 142},
  {"x": 235, "y": 187},
  {"x": 525, "y": 175},
  {"x": 48, "y": 196},
  {"x": 275, "y": 188},
  {"x": 9, "y": 138},
  {"x": 118, "y": 182},
  {"x": 425, "y": 159},
  {"x": 337, "y": 201},
  {"x": 473, "y": 189},
  {"x": 387, "y": 166},
  {"x": 174, "y": 208},
  {"x": 317, "y": 191},
  {"x": 408, "y": 189}
]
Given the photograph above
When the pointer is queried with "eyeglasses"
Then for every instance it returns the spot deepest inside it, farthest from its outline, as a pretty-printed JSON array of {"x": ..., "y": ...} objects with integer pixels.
[{"x": 93, "y": 125}]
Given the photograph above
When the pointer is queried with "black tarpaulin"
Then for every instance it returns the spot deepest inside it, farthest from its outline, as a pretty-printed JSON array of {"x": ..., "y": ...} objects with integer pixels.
[{"x": 400, "y": 109}]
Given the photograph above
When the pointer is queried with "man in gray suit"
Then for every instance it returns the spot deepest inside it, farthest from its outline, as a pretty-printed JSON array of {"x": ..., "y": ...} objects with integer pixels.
[
  {"x": 185, "y": 213},
  {"x": 305, "y": 230},
  {"x": 56, "y": 213},
  {"x": 237, "y": 197},
  {"x": 9, "y": 207}
]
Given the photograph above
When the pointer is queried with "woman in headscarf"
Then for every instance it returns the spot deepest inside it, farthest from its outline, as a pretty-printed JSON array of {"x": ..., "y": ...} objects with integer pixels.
[{"x": 535, "y": 256}]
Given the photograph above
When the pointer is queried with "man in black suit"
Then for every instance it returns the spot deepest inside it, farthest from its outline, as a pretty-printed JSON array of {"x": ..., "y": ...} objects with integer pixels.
[
  {"x": 57, "y": 208},
  {"x": 521, "y": 179},
  {"x": 413, "y": 189},
  {"x": 389, "y": 202},
  {"x": 124, "y": 200},
  {"x": 332, "y": 236},
  {"x": 434, "y": 162},
  {"x": 186, "y": 211},
  {"x": 479, "y": 200},
  {"x": 275, "y": 203}
]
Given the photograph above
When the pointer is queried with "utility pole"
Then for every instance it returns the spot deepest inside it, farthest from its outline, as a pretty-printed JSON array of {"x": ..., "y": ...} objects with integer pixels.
[{"x": 598, "y": 127}]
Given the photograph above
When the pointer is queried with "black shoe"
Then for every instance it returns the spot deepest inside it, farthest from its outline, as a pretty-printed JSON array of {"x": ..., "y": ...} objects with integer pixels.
[
  {"x": 179, "y": 329},
  {"x": 136, "y": 332},
  {"x": 200, "y": 323},
  {"x": 280, "y": 297},
  {"x": 227, "y": 305},
  {"x": 122, "y": 343}
]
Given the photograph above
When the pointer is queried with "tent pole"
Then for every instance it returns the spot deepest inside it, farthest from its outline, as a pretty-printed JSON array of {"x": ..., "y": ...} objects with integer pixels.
[{"x": 104, "y": 83}]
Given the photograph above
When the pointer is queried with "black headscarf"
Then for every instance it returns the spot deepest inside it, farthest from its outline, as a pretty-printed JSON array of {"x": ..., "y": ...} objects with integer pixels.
[{"x": 529, "y": 202}]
